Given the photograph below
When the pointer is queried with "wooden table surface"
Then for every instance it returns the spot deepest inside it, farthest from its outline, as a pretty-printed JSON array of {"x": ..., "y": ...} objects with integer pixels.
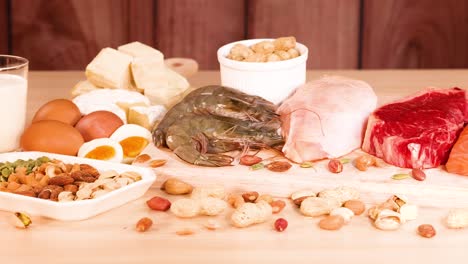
[{"x": 111, "y": 238}]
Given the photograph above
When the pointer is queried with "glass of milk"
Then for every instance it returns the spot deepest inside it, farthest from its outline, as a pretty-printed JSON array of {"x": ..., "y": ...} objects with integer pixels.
[{"x": 13, "y": 96}]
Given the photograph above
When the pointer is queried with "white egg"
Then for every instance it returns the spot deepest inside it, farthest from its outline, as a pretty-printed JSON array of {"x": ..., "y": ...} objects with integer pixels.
[
  {"x": 102, "y": 149},
  {"x": 133, "y": 139}
]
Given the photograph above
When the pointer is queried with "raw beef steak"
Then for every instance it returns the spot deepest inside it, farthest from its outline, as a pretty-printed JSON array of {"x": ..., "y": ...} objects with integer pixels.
[
  {"x": 418, "y": 131},
  {"x": 326, "y": 118}
]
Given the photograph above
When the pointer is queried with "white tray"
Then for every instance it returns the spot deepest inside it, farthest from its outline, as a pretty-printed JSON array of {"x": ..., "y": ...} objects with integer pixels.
[{"x": 76, "y": 210}]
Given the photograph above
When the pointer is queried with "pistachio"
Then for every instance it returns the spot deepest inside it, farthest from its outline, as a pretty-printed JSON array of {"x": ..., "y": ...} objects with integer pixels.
[
  {"x": 21, "y": 220},
  {"x": 388, "y": 220},
  {"x": 344, "y": 212}
]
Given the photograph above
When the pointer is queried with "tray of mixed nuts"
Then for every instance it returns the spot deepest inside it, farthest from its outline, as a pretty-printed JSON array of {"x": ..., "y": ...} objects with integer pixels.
[{"x": 65, "y": 187}]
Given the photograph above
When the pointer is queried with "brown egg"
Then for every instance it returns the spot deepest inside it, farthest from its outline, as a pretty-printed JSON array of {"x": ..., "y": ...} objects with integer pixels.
[
  {"x": 52, "y": 136},
  {"x": 62, "y": 110},
  {"x": 99, "y": 124}
]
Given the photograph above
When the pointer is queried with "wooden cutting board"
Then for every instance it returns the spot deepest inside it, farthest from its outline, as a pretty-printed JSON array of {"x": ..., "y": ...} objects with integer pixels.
[{"x": 440, "y": 189}]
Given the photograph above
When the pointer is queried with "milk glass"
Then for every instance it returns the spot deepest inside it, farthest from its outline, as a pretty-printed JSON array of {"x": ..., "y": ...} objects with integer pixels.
[{"x": 13, "y": 96}]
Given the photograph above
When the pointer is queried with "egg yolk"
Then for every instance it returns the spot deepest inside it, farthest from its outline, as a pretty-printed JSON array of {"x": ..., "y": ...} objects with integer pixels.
[
  {"x": 132, "y": 146},
  {"x": 101, "y": 153}
]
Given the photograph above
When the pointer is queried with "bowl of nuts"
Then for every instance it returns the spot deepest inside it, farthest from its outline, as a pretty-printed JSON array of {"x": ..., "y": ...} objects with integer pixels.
[{"x": 270, "y": 68}]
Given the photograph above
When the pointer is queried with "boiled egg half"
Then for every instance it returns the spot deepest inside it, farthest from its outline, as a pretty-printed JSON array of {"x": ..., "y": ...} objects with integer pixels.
[
  {"x": 133, "y": 139},
  {"x": 102, "y": 149}
]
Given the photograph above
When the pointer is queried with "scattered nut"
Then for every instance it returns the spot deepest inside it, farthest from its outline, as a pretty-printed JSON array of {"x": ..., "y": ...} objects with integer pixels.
[
  {"x": 302, "y": 193},
  {"x": 185, "y": 208},
  {"x": 388, "y": 220},
  {"x": 142, "y": 158},
  {"x": 235, "y": 200},
  {"x": 249, "y": 160},
  {"x": 457, "y": 218},
  {"x": 418, "y": 174},
  {"x": 216, "y": 191},
  {"x": 144, "y": 224},
  {"x": 265, "y": 197},
  {"x": 212, "y": 224},
  {"x": 341, "y": 194},
  {"x": 335, "y": 166},
  {"x": 157, "y": 163},
  {"x": 426, "y": 231},
  {"x": 21, "y": 220},
  {"x": 279, "y": 166},
  {"x": 159, "y": 203},
  {"x": 408, "y": 212},
  {"x": 176, "y": 187},
  {"x": 299, "y": 200},
  {"x": 250, "y": 197},
  {"x": 356, "y": 206},
  {"x": 331, "y": 222},
  {"x": 185, "y": 232},
  {"x": 277, "y": 206},
  {"x": 316, "y": 206},
  {"x": 364, "y": 162},
  {"x": 281, "y": 224},
  {"x": 251, "y": 213},
  {"x": 212, "y": 206},
  {"x": 344, "y": 212}
]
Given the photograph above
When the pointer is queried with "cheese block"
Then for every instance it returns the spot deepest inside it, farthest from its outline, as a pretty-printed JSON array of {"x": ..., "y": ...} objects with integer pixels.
[
  {"x": 146, "y": 116},
  {"x": 110, "y": 69},
  {"x": 137, "y": 49},
  {"x": 165, "y": 87},
  {"x": 83, "y": 87},
  {"x": 146, "y": 60}
]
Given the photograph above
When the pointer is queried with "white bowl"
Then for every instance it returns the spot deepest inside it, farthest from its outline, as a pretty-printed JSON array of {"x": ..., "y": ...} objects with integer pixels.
[
  {"x": 274, "y": 81},
  {"x": 76, "y": 210}
]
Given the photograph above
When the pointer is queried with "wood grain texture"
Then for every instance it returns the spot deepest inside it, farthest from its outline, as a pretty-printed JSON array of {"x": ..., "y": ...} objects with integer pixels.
[
  {"x": 329, "y": 28},
  {"x": 415, "y": 34},
  {"x": 197, "y": 28},
  {"x": 3, "y": 27},
  {"x": 66, "y": 35}
]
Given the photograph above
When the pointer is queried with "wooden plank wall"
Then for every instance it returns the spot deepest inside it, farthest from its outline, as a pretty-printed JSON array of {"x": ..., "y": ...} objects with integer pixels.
[
  {"x": 340, "y": 34},
  {"x": 415, "y": 34},
  {"x": 4, "y": 27}
]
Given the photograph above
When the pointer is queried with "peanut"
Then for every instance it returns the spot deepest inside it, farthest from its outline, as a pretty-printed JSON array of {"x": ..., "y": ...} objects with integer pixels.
[
  {"x": 158, "y": 203},
  {"x": 211, "y": 206},
  {"x": 342, "y": 194},
  {"x": 250, "y": 197},
  {"x": 364, "y": 162},
  {"x": 215, "y": 190},
  {"x": 249, "y": 160},
  {"x": 265, "y": 197},
  {"x": 251, "y": 213},
  {"x": 335, "y": 166},
  {"x": 176, "y": 187},
  {"x": 457, "y": 218},
  {"x": 426, "y": 231},
  {"x": 277, "y": 206},
  {"x": 331, "y": 222},
  {"x": 235, "y": 200},
  {"x": 281, "y": 224},
  {"x": 316, "y": 206},
  {"x": 185, "y": 208},
  {"x": 418, "y": 174},
  {"x": 356, "y": 206},
  {"x": 144, "y": 224},
  {"x": 302, "y": 193},
  {"x": 279, "y": 166}
]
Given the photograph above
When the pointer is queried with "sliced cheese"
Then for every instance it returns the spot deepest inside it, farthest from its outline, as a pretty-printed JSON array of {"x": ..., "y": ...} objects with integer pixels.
[
  {"x": 83, "y": 87},
  {"x": 146, "y": 117},
  {"x": 110, "y": 69}
]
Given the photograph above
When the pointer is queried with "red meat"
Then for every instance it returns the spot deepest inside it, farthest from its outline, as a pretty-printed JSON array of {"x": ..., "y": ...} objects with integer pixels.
[{"x": 418, "y": 131}]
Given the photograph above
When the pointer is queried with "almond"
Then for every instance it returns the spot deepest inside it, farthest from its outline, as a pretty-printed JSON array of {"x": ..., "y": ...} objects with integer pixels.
[
  {"x": 61, "y": 180},
  {"x": 142, "y": 158}
]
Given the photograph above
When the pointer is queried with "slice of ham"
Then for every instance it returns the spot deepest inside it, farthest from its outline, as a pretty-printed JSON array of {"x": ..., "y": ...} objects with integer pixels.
[{"x": 326, "y": 118}]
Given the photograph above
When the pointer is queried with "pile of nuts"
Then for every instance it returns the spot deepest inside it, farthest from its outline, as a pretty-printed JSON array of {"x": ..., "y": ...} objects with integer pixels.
[
  {"x": 280, "y": 49},
  {"x": 57, "y": 181},
  {"x": 339, "y": 205}
]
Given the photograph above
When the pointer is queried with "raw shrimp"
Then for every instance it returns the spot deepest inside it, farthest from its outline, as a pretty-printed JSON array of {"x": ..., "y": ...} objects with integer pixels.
[
  {"x": 200, "y": 139},
  {"x": 226, "y": 103}
]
